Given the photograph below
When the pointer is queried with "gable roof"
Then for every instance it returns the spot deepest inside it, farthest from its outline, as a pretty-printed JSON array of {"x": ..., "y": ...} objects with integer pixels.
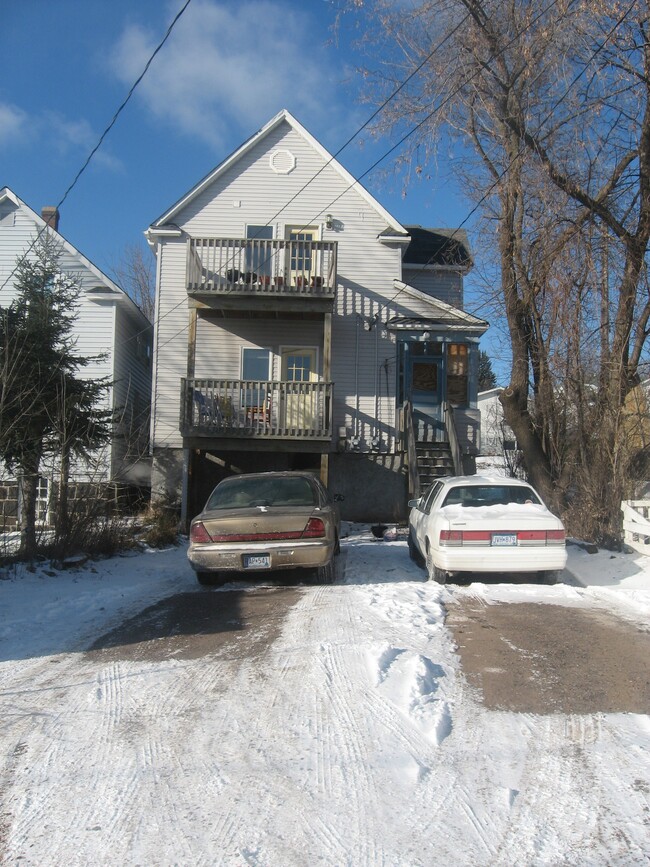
[
  {"x": 283, "y": 116},
  {"x": 441, "y": 314},
  {"x": 444, "y": 247},
  {"x": 107, "y": 288}
]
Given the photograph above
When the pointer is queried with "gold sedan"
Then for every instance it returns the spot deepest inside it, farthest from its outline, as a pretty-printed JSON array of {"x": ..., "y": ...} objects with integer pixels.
[{"x": 265, "y": 522}]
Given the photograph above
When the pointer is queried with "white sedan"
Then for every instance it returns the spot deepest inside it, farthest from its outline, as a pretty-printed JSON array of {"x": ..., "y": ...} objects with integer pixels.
[{"x": 485, "y": 524}]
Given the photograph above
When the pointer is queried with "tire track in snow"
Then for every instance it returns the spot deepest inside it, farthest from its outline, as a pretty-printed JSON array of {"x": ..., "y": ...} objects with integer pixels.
[{"x": 43, "y": 714}]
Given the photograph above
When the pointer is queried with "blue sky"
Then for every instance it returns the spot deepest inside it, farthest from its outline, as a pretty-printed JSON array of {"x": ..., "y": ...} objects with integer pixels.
[{"x": 228, "y": 67}]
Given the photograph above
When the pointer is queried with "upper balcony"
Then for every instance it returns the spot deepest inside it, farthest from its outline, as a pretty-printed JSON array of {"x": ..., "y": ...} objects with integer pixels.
[{"x": 260, "y": 272}]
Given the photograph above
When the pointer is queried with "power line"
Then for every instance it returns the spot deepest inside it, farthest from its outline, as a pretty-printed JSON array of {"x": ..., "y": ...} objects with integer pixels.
[
  {"x": 418, "y": 126},
  {"x": 519, "y": 154},
  {"x": 394, "y": 147},
  {"x": 105, "y": 133}
]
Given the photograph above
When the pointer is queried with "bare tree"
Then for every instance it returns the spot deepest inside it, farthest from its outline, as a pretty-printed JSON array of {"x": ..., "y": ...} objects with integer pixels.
[
  {"x": 553, "y": 98},
  {"x": 135, "y": 273}
]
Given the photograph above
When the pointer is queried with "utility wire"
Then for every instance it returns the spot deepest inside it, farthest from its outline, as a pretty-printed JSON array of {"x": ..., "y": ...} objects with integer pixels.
[
  {"x": 401, "y": 140},
  {"x": 105, "y": 133},
  {"x": 521, "y": 151}
]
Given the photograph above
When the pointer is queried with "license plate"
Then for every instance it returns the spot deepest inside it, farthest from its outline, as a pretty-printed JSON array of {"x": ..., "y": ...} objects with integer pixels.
[
  {"x": 257, "y": 561},
  {"x": 504, "y": 539}
]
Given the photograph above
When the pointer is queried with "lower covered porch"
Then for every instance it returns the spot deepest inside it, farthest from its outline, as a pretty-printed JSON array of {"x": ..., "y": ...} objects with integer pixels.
[{"x": 258, "y": 409}]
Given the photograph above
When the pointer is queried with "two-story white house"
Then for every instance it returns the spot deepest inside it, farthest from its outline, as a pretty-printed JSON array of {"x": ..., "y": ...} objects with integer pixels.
[
  {"x": 109, "y": 328},
  {"x": 299, "y": 325}
]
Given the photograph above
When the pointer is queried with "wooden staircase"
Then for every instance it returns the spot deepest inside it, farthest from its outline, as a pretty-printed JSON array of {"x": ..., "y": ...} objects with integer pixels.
[{"x": 433, "y": 461}]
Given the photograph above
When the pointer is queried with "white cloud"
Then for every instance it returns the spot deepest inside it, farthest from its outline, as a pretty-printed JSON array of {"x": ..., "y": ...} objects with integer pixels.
[
  {"x": 76, "y": 136},
  {"x": 230, "y": 65},
  {"x": 13, "y": 123},
  {"x": 18, "y": 128}
]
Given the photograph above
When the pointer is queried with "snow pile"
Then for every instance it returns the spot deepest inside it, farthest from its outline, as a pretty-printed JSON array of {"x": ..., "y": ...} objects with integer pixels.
[{"x": 350, "y": 738}]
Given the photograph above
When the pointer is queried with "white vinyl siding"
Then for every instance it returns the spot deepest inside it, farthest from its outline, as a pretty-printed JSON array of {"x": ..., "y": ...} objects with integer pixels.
[
  {"x": 170, "y": 344},
  {"x": 366, "y": 267},
  {"x": 104, "y": 323},
  {"x": 445, "y": 285},
  {"x": 363, "y": 361},
  {"x": 225, "y": 342}
]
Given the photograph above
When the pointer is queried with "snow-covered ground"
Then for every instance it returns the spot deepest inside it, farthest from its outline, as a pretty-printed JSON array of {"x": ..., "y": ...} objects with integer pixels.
[{"x": 357, "y": 742}]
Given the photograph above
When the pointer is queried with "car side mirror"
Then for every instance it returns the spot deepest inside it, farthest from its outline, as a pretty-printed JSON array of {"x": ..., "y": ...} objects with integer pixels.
[
  {"x": 338, "y": 498},
  {"x": 415, "y": 504}
]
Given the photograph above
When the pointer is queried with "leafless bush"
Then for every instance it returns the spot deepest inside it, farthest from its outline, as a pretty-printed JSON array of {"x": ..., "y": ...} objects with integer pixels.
[
  {"x": 93, "y": 527},
  {"x": 161, "y": 522}
]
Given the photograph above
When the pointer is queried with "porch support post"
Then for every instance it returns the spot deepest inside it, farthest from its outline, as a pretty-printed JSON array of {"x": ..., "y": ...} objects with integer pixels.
[
  {"x": 324, "y": 468},
  {"x": 185, "y": 489},
  {"x": 191, "y": 343},
  {"x": 327, "y": 347},
  {"x": 327, "y": 376}
]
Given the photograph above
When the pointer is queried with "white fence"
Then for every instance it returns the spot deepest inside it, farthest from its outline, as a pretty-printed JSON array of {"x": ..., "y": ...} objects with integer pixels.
[{"x": 636, "y": 522}]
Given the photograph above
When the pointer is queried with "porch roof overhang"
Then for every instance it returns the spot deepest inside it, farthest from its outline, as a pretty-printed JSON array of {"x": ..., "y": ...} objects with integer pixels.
[
  {"x": 442, "y": 316},
  {"x": 442, "y": 324}
]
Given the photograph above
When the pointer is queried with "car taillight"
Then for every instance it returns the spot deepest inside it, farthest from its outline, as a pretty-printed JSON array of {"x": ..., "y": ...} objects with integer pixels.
[
  {"x": 199, "y": 534},
  {"x": 484, "y": 537},
  {"x": 556, "y": 537},
  {"x": 315, "y": 529},
  {"x": 531, "y": 536},
  {"x": 451, "y": 537},
  {"x": 257, "y": 537}
]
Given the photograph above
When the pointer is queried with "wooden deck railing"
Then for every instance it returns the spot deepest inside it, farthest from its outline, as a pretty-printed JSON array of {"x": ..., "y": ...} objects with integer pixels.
[
  {"x": 256, "y": 408},
  {"x": 261, "y": 267}
]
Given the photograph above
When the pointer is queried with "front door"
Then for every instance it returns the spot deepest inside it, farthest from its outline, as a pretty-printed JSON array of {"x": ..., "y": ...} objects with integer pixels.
[
  {"x": 299, "y": 366},
  {"x": 424, "y": 385}
]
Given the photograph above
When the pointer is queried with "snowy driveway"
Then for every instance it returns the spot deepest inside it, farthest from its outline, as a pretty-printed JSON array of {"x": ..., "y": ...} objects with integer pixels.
[{"x": 345, "y": 734}]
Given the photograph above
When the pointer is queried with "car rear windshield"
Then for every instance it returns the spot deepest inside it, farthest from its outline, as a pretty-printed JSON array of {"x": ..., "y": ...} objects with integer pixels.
[
  {"x": 490, "y": 495},
  {"x": 242, "y": 493}
]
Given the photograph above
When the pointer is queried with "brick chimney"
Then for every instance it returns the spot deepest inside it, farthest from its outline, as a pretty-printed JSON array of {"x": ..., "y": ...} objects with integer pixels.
[{"x": 51, "y": 216}]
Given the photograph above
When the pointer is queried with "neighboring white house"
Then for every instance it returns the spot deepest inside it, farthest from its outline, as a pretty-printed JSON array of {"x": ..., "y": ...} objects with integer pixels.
[
  {"x": 110, "y": 328},
  {"x": 297, "y": 323},
  {"x": 496, "y": 435}
]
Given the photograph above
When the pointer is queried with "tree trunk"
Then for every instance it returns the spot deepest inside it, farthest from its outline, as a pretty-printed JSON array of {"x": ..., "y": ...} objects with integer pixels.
[
  {"x": 62, "y": 516},
  {"x": 28, "y": 516}
]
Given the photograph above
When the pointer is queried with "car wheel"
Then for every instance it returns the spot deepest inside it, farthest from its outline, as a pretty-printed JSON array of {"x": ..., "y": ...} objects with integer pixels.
[
  {"x": 434, "y": 573},
  {"x": 325, "y": 574},
  {"x": 414, "y": 554},
  {"x": 440, "y": 576}
]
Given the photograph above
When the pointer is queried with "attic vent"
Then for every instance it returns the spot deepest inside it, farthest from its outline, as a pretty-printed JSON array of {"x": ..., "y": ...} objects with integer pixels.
[{"x": 282, "y": 162}]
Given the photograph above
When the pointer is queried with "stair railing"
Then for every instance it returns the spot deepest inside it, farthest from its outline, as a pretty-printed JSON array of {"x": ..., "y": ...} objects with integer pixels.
[
  {"x": 408, "y": 433},
  {"x": 452, "y": 438}
]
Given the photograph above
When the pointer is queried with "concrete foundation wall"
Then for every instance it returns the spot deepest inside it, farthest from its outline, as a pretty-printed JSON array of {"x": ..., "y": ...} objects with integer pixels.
[{"x": 375, "y": 487}]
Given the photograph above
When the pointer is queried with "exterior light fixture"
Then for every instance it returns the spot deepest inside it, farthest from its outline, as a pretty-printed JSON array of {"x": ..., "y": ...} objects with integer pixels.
[{"x": 329, "y": 221}]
